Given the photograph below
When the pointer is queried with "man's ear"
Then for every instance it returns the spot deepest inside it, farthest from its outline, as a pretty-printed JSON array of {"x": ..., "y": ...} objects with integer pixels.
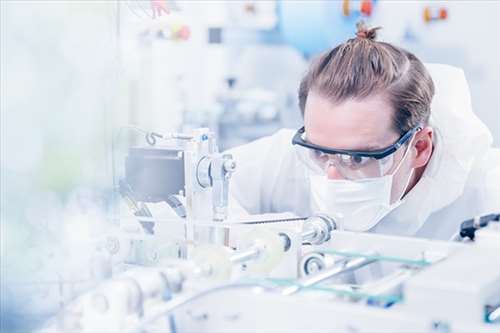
[{"x": 422, "y": 146}]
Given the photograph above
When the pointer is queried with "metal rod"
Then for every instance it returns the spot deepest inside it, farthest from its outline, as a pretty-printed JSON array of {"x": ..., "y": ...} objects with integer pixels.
[
  {"x": 328, "y": 274},
  {"x": 180, "y": 136},
  {"x": 309, "y": 235},
  {"x": 246, "y": 255}
]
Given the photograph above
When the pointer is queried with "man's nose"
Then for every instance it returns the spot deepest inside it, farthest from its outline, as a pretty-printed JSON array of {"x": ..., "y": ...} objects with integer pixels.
[{"x": 332, "y": 172}]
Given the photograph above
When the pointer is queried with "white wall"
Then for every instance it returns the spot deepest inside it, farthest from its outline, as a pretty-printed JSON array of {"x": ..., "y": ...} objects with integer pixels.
[{"x": 469, "y": 39}]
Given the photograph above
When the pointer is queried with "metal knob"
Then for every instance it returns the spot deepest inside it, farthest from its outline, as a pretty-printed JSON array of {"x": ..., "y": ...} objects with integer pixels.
[{"x": 317, "y": 229}]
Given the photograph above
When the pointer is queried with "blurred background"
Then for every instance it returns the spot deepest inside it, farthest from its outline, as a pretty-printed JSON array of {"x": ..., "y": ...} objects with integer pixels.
[{"x": 73, "y": 72}]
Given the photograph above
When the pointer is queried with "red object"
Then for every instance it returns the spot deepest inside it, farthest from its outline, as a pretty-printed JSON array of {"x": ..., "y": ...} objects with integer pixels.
[
  {"x": 366, "y": 7},
  {"x": 184, "y": 33},
  {"x": 443, "y": 14}
]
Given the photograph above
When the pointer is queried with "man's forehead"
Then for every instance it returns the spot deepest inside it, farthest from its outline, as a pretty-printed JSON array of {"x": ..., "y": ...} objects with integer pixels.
[{"x": 360, "y": 124}]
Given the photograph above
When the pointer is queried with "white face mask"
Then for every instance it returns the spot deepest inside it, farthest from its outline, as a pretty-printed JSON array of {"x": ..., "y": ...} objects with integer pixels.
[{"x": 358, "y": 205}]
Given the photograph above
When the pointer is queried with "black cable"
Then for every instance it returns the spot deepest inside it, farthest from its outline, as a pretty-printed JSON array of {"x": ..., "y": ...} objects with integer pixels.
[{"x": 469, "y": 227}]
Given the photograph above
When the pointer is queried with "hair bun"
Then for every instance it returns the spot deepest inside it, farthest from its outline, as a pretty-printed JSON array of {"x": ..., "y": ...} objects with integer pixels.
[{"x": 363, "y": 31}]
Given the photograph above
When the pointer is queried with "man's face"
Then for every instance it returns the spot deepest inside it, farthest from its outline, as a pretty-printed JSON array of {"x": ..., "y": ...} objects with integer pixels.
[{"x": 364, "y": 124}]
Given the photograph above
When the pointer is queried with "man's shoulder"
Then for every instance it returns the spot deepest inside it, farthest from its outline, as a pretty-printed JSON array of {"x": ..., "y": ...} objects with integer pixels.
[
  {"x": 484, "y": 180},
  {"x": 277, "y": 144},
  {"x": 264, "y": 166},
  {"x": 487, "y": 166},
  {"x": 283, "y": 136}
]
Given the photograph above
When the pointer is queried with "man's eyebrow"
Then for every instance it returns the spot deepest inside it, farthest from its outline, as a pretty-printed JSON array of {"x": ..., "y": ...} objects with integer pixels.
[
  {"x": 374, "y": 146},
  {"x": 367, "y": 148},
  {"x": 370, "y": 147}
]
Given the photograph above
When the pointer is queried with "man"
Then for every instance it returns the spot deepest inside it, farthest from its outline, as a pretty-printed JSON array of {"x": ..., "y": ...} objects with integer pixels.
[{"x": 388, "y": 145}]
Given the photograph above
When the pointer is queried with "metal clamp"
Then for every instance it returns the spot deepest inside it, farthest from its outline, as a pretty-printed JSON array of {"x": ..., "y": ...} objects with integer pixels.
[{"x": 317, "y": 229}]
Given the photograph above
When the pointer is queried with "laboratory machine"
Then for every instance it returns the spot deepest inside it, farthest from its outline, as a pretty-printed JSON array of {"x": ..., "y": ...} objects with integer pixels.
[{"x": 195, "y": 268}]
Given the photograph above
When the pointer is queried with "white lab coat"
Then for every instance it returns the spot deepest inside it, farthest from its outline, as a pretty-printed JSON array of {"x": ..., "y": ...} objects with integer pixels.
[{"x": 461, "y": 180}]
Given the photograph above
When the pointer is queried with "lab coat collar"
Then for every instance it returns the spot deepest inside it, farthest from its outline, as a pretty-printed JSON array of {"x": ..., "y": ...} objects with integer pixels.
[
  {"x": 459, "y": 139},
  {"x": 417, "y": 205}
]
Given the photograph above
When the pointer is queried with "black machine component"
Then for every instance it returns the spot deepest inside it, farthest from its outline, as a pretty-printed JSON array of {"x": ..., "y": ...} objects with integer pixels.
[
  {"x": 155, "y": 173},
  {"x": 468, "y": 228},
  {"x": 492, "y": 314}
]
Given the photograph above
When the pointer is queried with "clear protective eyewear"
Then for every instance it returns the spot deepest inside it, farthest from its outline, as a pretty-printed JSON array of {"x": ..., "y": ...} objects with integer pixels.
[{"x": 351, "y": 164}]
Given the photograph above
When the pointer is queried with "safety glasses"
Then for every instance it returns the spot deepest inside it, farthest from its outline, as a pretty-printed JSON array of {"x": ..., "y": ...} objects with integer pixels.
[{"x": 351, "y": 164}]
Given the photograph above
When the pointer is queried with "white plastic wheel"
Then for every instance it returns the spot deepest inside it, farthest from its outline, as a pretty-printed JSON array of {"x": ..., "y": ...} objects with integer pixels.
[
  {"x": 214, "y": 258},
  {"x": 269, "y": 243}
]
